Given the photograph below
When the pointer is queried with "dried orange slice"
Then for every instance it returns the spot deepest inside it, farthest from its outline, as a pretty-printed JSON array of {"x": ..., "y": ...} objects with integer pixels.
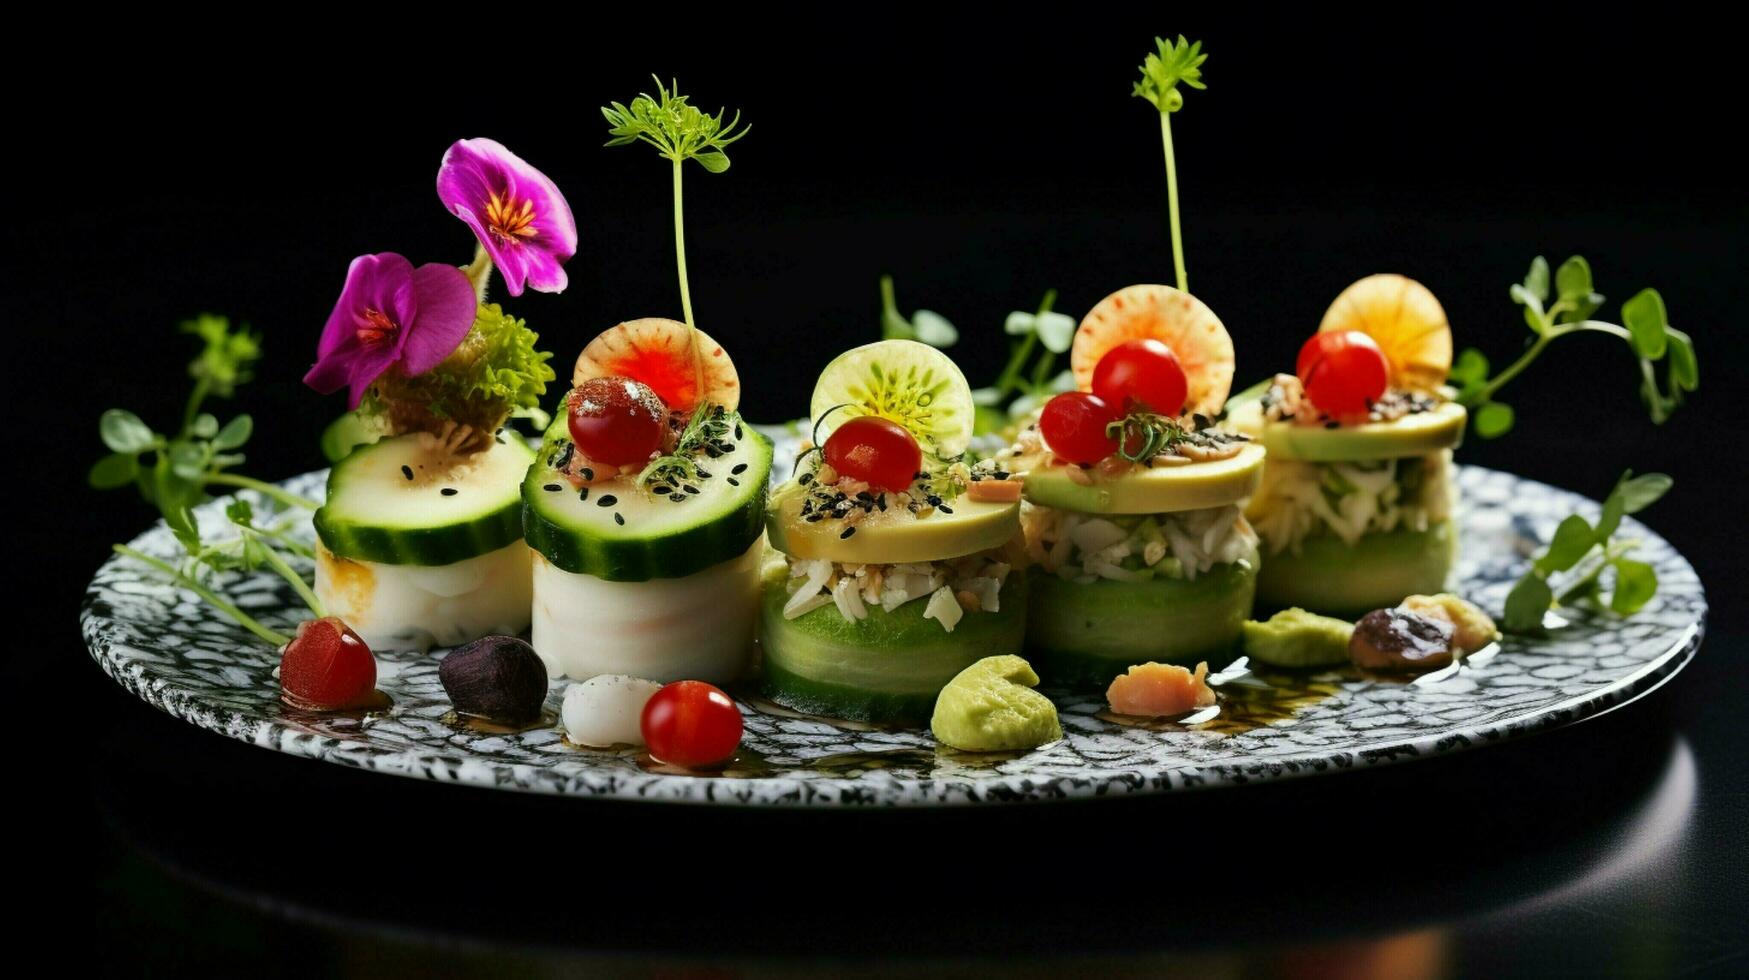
[
  {"x": 1407, "y": 322},
  {"x": 1171, "y": 316},
  {"x": 658, "y": 352}
]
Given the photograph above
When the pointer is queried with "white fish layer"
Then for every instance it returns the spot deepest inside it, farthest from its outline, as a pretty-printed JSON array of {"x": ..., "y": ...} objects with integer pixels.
[
  {"x": 699, "y": 627},
  {"x": 401, "y": 607}
]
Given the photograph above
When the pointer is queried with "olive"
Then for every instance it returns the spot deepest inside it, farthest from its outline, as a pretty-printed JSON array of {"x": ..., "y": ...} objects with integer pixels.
[
  {"x": 1400, "y": 640},
  {"x": 499, "y": 678}
]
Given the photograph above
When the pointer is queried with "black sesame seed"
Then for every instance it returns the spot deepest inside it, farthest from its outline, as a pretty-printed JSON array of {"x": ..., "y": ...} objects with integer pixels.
[
  {"x": 407, "y": 471},
  {"x": 1001, "y": 474},
  {"x": 847, "y": 533},
  {"x": 934, "y": 501},
  {"x": 662, "y": 490},
  {"x": 881, "y": 502},
  {"x": 607, "y": 500},
  {"x": 564, "y": 459},
  {"x": 619, "y": 518},
  {"x": 738, "y": 433},
  {"x": 588, "y": 474},
  {"x": 677, "y": 497},
  {"x": 734, "y": 482},
  {"x": 689, "y": 488},
  {"x": 945, "y": 509},
  {"x": 583, "y": 494},
  {"x": 865, "y": 495},
  {"x": 739, "y": 469},
  {"x": 449, "y": 491},
  {"x": 805, "y": 479},
  {"x": 811, "y": 518},
  {"x": 702, "y": 473},
  {"x": 551, "y": 488}
]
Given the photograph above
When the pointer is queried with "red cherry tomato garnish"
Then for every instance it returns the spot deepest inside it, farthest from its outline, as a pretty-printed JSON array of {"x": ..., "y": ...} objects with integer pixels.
[
  {"x": 1343, "y": 371},
  {"x": 617, "y": 420},
  {"x": 327, "y": 666},
  {"x": 691, "y": 724},
  {"x": 879, "y": 452},
  {"x": 1073, "y": 424},
  {"x": 1141, "y": 372}
]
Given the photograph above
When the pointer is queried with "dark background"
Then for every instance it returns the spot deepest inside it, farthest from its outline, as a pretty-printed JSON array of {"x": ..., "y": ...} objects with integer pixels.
[{"x": 978, "y": 167}]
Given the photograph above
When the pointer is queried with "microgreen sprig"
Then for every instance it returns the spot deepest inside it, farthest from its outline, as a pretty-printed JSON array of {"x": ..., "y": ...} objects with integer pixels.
[
  {"x": 1026, "y": 378},
  {"x": 925, "y": 326},
  {"x": 1172, "y": 64},
  {"x": 708, "y": 428},
  {"x": 1646, "y": 329},
  {"x": 1585, "y": 552},
  {"x": 174, "y": 470},
  {"x": 679, "y": 132}
]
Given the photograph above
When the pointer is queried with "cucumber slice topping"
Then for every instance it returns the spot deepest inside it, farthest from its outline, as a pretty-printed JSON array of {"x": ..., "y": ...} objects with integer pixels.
[
  {"x": 622, "y": 532},
  {"x": 403, "y": 501},
  {"x": 913, "y": 384}
]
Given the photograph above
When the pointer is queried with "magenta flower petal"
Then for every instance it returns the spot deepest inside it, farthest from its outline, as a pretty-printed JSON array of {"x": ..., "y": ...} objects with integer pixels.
[
  {"x": 516, "y": 211},
  {"x": 390, "y": 313},
  {"x": 446, "y": 313}
]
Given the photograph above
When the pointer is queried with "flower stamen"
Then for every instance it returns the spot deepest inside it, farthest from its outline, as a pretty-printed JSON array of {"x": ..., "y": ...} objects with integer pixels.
[
  {"x": 375, "y": 328},
  {"x": 507, "y": 219}
]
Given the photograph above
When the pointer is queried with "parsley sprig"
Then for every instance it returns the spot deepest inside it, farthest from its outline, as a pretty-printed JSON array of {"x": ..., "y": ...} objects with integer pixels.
[
  {"x": 1583, "y": 553},
  {"x": 1171, "y": 65},
  {"x": 1645, "y": 327}
]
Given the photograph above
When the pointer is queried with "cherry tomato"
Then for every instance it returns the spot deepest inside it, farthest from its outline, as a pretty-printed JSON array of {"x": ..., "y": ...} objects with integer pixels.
[
  {"x": 1344, "y": 372},
  {"x": 879, "y": 452},
  {"x": 1073, "y": 424},
  {"x": 691, "y": 724},
  {"x": 617, "y": 420},
  {"x": 327, "y": 666},
  {"x": 1145, "y": 372}
]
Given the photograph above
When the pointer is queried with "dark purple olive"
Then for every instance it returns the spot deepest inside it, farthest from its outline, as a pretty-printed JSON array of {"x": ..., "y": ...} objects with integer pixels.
[
  {"x": 499, "y": 678},
  {"x": 1397, "y": 640}
]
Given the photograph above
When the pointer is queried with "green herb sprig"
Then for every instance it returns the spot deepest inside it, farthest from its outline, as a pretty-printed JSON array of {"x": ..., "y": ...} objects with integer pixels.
[
  {"x": 1645, "y": 328},
  {"x": 924, "y": 326},
  {"x": 709, "y": 426},
  {"x": 1039, "y": 338},
  {"x": 679, "y": 132},
  {"x": 1171, "y": 65},
  {"x": 175, "y": 471},
  {"x": 1583, "y": 552}
]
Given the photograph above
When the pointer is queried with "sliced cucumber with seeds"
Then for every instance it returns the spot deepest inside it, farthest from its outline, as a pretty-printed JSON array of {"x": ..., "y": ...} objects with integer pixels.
[
  {"x": 618, "y": 531},
  {"x": 913, "y": 384},
  {"x": 401, "y": 501}
]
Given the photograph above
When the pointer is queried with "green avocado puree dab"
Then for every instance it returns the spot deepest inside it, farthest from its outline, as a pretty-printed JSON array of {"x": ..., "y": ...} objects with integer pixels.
[
  {"x": 1297, "y": 638},
  {"x": 991, "y": 707}
]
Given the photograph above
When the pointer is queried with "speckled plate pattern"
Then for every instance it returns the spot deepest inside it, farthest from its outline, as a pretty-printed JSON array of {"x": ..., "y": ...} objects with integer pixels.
[{"x": 172, "y": 651}]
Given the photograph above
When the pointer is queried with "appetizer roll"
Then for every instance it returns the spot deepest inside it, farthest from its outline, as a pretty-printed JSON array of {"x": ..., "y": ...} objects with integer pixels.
[
  {"x": 1356, "y": 502},
  {"x": 420, "y": 538},
  {"x": 1139, "y": 548},
  {"x": 644, "y": 511},
  {"x": 893, "y": 569}
]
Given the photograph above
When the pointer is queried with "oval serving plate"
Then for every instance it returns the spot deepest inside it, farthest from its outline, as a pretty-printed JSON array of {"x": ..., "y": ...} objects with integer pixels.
[{"x": 175, "y": 653}]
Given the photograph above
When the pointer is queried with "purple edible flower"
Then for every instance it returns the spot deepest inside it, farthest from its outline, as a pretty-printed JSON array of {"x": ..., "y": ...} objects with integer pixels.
[
  {"x": 518, "y": 214},
  {"x": 391, "y": 313}
]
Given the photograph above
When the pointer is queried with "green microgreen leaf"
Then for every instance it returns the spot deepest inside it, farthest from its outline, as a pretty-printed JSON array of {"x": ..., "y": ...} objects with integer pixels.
[
  {"x": 1635, "y": 584},
  {"x": 114, "y": 470},
  {"x": 678, "y": 130},
  {"x": 1572, "y": 279},
  {"x": 1639, "y": 492},
  {"x": 188, "y": 460},
  {"x": 123, "y": 432},
  {"x": 1684, "y": 369},
  {"x": 934, "y": 329},
  {"x": 1494, "y": 419},
  {"x": 1526, "y": 603},
  {"x": 205, "y": 426},
  {"x": 1572, "y": 541},
  {"x": 1536, "y": 281},
  {"x": 1056, "y": 331},
  {"x": 1646, "y": 321},
  {"x": 235, "y": 433},
  {"x": 1173, "y": 63}
]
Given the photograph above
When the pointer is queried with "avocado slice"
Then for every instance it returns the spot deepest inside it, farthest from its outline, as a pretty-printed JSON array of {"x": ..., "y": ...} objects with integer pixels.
[
  {"x": 1412, "y": 435},
  {"x": 891, "y": 536},
  {"x": 887, "y": 668},
  {"x": 1376, "y": 572},
  {"x": 1157, "y": 490},
  {"x": 1085, "y": 634}
]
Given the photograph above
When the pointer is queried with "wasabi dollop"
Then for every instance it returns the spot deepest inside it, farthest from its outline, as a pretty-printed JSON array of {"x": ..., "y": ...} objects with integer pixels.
[
  {"x": 1297, "y": 638},
  {"x": 991, "y": 707}
]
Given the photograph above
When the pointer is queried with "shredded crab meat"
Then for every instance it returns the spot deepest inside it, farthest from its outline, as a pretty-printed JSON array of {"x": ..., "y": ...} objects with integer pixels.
[
  {"x": 1088, "y": 547},
  {"x": 972, "y": 584},
  {"x": 1298, "y": 500}
]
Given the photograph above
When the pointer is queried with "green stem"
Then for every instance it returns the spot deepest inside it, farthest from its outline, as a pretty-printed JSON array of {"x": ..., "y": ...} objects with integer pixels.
[
  {"x": 195, "y": 397},
  {"x": 479, "y": 272},
  {"x": 680, "y": 247},
  {"x": 1042, "y": 372},
  {"x": 1172, "y": 201},
  {"x": 295, "y": 580},
  {"x": 1010, "y": 375},
  {"x": 247, "y": 621},
  {"x": 1484, "y": 394},
  {"x": 280, "y": 494},
  {"x": 286, "y": 541}
]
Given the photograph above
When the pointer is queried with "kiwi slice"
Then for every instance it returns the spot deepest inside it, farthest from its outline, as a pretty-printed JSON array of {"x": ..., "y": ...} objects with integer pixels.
[{"x": 913, "y": 384}]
